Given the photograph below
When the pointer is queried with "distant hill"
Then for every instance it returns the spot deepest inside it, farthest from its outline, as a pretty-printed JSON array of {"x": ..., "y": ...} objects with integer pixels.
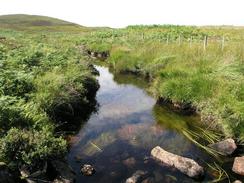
[
  {"x": 37, "y": 23},
  {"x": 31, "y": 20}
]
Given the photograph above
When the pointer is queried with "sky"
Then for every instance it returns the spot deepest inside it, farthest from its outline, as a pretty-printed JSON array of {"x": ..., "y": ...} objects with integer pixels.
[{"x": 120, "y": 13}]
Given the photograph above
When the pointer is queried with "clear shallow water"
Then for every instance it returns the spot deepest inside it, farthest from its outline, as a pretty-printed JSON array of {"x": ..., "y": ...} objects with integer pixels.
[{"x": 118, "y": 138}]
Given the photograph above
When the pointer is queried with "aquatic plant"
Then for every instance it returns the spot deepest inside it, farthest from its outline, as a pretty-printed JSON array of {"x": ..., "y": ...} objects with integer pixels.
[{"x": 221, "y": 173}]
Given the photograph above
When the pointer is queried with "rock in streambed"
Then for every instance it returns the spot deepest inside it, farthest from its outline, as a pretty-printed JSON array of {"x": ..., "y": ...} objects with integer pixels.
[
  {"x": 238, "y": 166},
  {"x": 87, "y": 170},
  {"x": 225, "y": 147},
  {"x": 138, "y": 176},
  {"x": 184, "y": 165},
  {"x": 64, "y": 172}
]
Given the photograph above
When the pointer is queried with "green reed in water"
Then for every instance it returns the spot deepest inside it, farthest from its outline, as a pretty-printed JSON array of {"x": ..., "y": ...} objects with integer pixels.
[{"x": 221, "y": 173}]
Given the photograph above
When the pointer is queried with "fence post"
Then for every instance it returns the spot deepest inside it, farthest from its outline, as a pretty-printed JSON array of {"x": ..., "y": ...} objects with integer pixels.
[
  {"x": 205, "y": 43},
  {"x": 112, "y": 35},
  {"x": 190, "y": 41},
  {"x": 223, "y": 43},
  {"x": 167, "y": 41},
  {"x": 142, "y": 35},
  {"x": 179, "y": 39}
]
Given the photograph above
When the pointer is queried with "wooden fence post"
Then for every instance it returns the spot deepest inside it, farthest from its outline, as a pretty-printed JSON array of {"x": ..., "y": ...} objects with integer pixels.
[
  {"x": 205, "y": 43},
  {"x": 190, "y": 41},
  {"x": 223, "y": 43},
  {"x": 167, "y": 41},
  {"x": 112, "y": 35},
  {"x": 179, "y": 39},
  {"x": 143, "y": 36}
]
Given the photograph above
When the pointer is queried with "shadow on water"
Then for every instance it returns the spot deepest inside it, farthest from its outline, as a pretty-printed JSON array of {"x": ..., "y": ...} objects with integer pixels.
[
  {"x": 73, "y": 123},
  {"x": 131, "y": 79},
  {"x": 118, "y": 138}
]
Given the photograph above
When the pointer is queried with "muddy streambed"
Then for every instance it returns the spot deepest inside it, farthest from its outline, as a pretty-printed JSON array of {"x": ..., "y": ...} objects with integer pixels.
[{"x": 118, "y": 138}]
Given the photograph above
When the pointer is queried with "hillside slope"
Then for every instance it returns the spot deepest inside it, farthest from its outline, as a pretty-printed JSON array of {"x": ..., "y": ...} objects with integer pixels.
[{"x": 38, "y": 23}]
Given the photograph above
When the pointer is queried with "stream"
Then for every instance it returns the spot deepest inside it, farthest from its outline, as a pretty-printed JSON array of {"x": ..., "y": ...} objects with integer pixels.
[{"x": 118, "y": 138}]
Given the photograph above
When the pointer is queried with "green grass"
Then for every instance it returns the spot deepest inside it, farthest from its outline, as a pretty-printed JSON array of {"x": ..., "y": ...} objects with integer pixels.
[
  {"x": 34, "y": 23},
  {"x": 45, "y": 81},
  {"x": 43, "y": 75},
  {"x": 211, "y": 80}
]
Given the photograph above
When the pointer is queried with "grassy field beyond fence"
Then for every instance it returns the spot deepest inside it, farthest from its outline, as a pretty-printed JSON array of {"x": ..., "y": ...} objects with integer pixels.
[{"x": 203, "y": 66}]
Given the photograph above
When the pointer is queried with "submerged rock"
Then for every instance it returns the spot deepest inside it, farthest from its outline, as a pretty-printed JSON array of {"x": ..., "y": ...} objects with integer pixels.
[
  {"x": 225, "y": 147},
  {"x": 149, "y": 180},
  {"x": 114, "y": 174},
  {"x": 129, "y": 162},
  {"x": 146, "y": 159},
  {"x": 237, "y": 181},
  {"x": 64, "y": 172},
  {"x": 5, "y": 175},
  {"x": 87, "y": 170},
  {"x": 137, "y": 177},
  {"x": 58, "y": 180},
  {"x": 184, "y": 165},
  {"x": 238, "y": 166},
  {"x": 99, "y": 143}
]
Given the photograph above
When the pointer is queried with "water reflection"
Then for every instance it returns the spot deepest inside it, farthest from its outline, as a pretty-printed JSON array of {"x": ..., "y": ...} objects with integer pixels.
[{"x": 118, "y": 139}]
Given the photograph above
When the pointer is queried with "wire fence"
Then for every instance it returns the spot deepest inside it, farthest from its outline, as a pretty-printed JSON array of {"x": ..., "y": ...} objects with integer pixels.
[{"x": 171, "y": 39}]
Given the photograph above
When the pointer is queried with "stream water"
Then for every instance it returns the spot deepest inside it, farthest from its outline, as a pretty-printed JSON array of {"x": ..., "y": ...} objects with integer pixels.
[{"x": 118, "y": 138}]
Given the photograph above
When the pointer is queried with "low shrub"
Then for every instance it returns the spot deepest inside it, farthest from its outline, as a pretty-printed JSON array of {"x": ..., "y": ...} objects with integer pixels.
[{"x": 30, "y": 147}]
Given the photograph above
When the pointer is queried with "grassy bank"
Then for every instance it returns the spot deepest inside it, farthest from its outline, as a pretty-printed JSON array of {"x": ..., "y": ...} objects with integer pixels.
[
  {"x": 45, "y": 82},
  {"x": 183, "y": 68}
]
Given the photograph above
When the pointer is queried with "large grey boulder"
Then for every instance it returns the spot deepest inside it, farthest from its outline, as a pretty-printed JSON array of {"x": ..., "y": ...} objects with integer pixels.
[
  {"x": 225, "y": 147},
  {"x": 137, "y": 177},
  {"x": 238, "y": 166},
  {"x": 184, "y": 165}
]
